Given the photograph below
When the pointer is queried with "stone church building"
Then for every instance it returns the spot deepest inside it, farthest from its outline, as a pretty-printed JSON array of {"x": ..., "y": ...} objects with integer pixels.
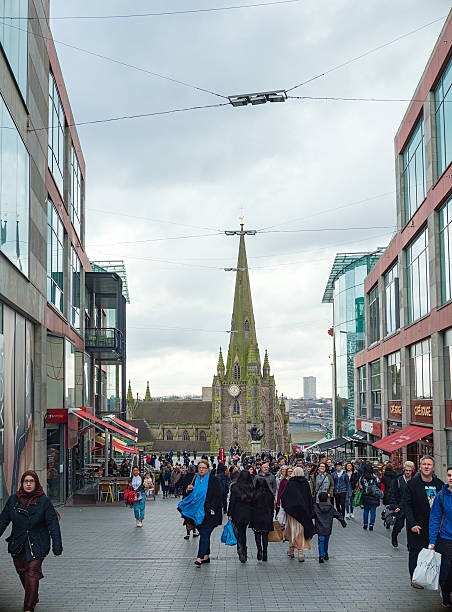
[{"x": 243, "y": 394}]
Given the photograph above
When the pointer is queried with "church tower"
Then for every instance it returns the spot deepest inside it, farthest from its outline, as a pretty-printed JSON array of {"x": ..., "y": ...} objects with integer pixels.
[{"x": 243, "y": 392}]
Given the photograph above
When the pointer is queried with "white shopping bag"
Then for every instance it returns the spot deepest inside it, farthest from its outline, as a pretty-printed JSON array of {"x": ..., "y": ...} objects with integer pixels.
[
  {"x": 427, "y": 569},
  {"x": 281, "y": 518}
]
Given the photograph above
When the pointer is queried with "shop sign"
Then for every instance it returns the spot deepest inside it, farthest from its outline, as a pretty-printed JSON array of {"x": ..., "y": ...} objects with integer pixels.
[
  {"x": 448, "y": 413},
  {"x": 222, "y": 455},
  {"x": 56, "y": 415},
  {"x": 370, "y": 427},
  {"x": 395, "y": 410},
  {"x": 393, "y": 427},
  {"x": 422, "y": 411}
]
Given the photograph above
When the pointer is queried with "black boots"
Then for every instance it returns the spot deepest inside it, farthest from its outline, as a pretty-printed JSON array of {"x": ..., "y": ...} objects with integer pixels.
[{"x": 242, "y": 554}]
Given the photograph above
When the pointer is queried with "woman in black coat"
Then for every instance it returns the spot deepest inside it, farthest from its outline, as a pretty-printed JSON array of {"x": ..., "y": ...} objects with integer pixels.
[
  {"x": 387, "y": 479},
  {"x": 297, "y": 503},
  {"x": 34, "y": 521},
  {"x": 371, "y": 494},
  {"x": 263, "y": 507},
  {"x": 239, "y": 510}
]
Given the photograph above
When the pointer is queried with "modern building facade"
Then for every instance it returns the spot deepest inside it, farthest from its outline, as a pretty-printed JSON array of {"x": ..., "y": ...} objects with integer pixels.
[
  {"x": 402, "y": 383},
  {"x": 309, "y": 387},
  {"x": 345, "y": 290}
]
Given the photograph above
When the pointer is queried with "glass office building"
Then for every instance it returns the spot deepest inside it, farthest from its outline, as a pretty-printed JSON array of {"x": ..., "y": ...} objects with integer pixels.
[{"x": 345, "y": 290}]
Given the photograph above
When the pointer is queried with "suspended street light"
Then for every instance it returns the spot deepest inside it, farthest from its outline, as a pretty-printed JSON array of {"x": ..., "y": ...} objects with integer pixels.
[{"x": 278, "y": 95}]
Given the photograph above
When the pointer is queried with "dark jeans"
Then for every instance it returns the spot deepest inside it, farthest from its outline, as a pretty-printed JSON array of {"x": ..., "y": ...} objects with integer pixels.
[
  {"x": 225, "y": 501},
  {"x": 339, "y": 498},
  {"x": 399, "y": 524},
  {"x": 204, "y": 541},
  {"x": 373, "y": 512},
  {"x": 30, "y": 574},
  {"x": 323, "y": 545},
  {"x": 240, "y": 533},
  {"x": 261, "y": 538},
  {"x": 444, "y": 547}
]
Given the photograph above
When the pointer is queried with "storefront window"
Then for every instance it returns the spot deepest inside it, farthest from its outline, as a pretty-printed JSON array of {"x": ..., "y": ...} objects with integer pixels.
[
  {"x": 420, "y": 370},
  {"x": 418, "y": 278},
  {"x": 443, "y": 100},
  {"x": 374, "y": 320},
  {"x": 14, "y": 39},
  {"x": 445, "y": 238},
  {"x": 414, "y": 172},
  {"x": 392, "y": 320},
  {"x": 394, "y": 388},
  {"x": 375, "y": 387}
]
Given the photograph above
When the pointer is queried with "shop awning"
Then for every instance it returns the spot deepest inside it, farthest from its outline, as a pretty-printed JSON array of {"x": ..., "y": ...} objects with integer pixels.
[
  {"x": 403, "y": 438},
  {"x": 123, "y": 424},
  {"x": 359, "y": 436},
  {"x": 89, "y": 418},
  {"x": 316, "y": 443},
  {"x": 119, "y": 447},
  {"x": 334, "y": 443}
]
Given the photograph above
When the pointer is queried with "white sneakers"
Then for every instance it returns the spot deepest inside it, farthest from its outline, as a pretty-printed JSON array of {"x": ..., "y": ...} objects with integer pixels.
[
  {"x": 139, "y": 523},
  {"x": 350, "y": 515}
]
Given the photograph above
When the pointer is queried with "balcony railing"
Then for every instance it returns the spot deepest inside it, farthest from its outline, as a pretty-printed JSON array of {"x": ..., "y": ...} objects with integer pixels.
[{"x": 103, "y": 340}]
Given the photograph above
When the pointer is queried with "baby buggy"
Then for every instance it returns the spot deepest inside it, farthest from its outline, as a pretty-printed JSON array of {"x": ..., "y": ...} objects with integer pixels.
[{"x": 389, "y": 516}]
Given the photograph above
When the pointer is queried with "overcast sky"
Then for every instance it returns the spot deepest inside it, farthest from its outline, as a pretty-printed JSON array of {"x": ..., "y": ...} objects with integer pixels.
[{"x": 299, "y": 165}]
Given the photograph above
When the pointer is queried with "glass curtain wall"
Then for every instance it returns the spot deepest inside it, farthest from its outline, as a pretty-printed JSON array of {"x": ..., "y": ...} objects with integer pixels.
[
  {"x": 76, "y": 193},
  {"x": 14, "y": 192},
  {"x": 56, "y": 135},
  {"x": 418, "y": 278},
  {"x": 443, "y": 108},
  {"x": 14, "y": 39},
  {"x": 445, "y": 238},
  {"x": 414, "y": 172},
  {"x": 421, "y": 370},
  {"x": 392, "y": 318},
  {"x": 75, "y": 290},
  {"x": 55, "y": 257}
]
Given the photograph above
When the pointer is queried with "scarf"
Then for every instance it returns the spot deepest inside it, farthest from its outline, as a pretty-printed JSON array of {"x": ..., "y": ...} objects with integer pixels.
[
  {"x": 136, "y": 482},
  {"x": 31, "y": 498},
  {"x": 192, "y": 507}
]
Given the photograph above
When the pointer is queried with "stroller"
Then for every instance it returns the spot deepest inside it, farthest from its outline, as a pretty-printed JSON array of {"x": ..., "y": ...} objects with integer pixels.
[{"x": 389, "y": 516}]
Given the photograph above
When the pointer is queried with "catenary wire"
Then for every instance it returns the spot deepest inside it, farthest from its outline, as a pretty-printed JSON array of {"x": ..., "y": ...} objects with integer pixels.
[
  {"x": 325, "y": 229},
  {"x": 366, "y": 53},
  {"x": 109, "y": 212},
  {"x": 162, "y": 13},
  {"x": 159, "y": 239}
]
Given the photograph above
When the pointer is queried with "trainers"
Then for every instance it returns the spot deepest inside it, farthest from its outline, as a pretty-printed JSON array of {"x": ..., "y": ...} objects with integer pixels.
[
  {"x": 371, "y": 527},
  {"x": 326, "y": 558},
  {"x": 364, "y": 526},
  {"x": 352, "y": 516},
  {"x": 415, "y": 585},
  {"x": 320, "y": 559}
]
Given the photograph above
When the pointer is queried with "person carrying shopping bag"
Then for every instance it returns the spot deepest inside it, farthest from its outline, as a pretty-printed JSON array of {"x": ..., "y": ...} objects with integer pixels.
[{"x": 139, "y": 496}]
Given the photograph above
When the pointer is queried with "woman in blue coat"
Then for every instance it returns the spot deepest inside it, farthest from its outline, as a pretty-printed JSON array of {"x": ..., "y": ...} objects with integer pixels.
[{"x": 35, "y": 522}]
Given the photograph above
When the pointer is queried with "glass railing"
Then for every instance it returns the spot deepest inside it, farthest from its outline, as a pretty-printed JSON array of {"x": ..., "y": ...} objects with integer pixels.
[{"x": 103, "y": 338}]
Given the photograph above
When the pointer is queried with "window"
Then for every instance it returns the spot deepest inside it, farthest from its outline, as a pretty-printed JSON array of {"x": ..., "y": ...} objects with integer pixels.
[
  {"x": 443, "y": 100},
  {"x": 246, "y": 325},
  {"x": 374, "y": 319},
  {"x": 14, "y": 39},
  {"x": 392, "y": 318},
  {"x": 394, "y": 389},
  {"x": 236, "y": 408},
  {"x": 76, "y": 193},
  {"x": 56, "y": 135},
  {"x": 55, "y": 250},
  {"x": 14, "y": 191},
  {"x": 414, "y": 172},
  {"x": 418, "y": 278},
  {"x": 375, "y": 388},
  {"x": 421, "y": 370},
  {"x": 236, "y": 372},
  {"x": 75, "y": 289},
  {"x": 445, "y": 239},
  {"x": 169, "y": 435},
  {"x": 202, "y": 436},
  {"x": 448, "y": 363},
  {"x": 362, "y": 390},
  {"x": 186, "y": 435}
]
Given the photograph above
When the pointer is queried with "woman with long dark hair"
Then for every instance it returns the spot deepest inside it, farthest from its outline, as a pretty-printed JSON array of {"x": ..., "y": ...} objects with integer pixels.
[
  {"x": 262, "y": 516},
  {"x": 239, "y": 510},
  {"x": 370, "y": 486},
  {"x": 353, "y": 478},
  {"x": 297, "y": 502},
  {"x": 35, "y": 522}
]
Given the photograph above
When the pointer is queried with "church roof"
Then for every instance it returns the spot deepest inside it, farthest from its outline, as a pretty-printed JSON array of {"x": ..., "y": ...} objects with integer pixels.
[
  {"x": 144, "y": 434},
  {"x": 177, "y": 412}
]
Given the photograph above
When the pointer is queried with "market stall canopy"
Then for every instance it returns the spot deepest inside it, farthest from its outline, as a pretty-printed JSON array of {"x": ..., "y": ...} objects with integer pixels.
[
  {"x": 334, "y": 443},
  {"x": 402, "y": 438},
  {"x": 324, "y": 439},
  {"x": 359, "y": 436}
]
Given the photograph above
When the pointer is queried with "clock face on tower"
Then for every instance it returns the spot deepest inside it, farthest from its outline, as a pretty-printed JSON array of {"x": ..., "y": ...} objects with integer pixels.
[{"x": 234, "y": 390}]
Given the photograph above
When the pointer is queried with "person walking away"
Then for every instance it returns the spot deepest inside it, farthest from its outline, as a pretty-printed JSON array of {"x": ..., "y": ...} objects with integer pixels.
[
  {"x": 225, "y": 481},
  {"x": 324, "y": 513},
  {"x": 137, "y": 483},
  {"x": 203, "y": 505},
  {"x": 262, "y": 517},
  {"x": 353, "y": 480},
  {"x": 420, "y": 492},
  {"x": 239, "y": 510},
  {"x": 297, "y": 503},
  {"x": 341, "y": 487},
  {"x": 369, "y": 484},
  {"x": 34, "y": 523},
  {"x": 387, "y": 479},
  {"x": 440, "y": 536},
  {"x": 396, "y": 495},
  {"x": 269, "y": 478},
  {"x": 320, "y": 481}
]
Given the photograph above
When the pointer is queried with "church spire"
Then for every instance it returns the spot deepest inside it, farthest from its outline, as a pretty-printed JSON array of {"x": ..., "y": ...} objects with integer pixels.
[
  {"x": 147, "y": 397},
  {"x": 243, "y": 330},
  {"x": 220, "y": 365},
  {"x": 266, "y": 366},
  {"x": 129, "y": 399}
]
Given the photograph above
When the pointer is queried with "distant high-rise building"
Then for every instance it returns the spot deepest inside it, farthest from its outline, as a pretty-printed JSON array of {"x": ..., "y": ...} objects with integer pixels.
[{"x": 309, "y": 387}]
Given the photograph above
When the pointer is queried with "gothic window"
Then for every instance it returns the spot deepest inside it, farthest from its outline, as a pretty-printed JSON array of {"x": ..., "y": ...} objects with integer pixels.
[
  {"x": 186, "y": 435},
  {"x": 237, "y": 371},
  {"x": 236, "y": 409},
  {"x": 246, "y": 325},
  {"x": 202, "y": 436},
  {"x": 169, "y": 435}
]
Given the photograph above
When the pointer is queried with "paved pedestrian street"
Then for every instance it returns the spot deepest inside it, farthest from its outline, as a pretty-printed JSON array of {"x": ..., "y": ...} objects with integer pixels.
[{"x": 109, "y": 564}]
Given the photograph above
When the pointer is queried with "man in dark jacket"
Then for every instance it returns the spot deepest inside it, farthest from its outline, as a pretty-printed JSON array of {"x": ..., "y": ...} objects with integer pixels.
[
  {"x": 395, "y": 498},
  {"x": 224, "y": 480},
  {"x": 420, "y": 492}
]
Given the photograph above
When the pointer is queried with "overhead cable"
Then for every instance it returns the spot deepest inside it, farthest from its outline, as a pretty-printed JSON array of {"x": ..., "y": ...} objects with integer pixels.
[
  {"x": 109, "y": 212},
  {"x": 160, "y": 239}
]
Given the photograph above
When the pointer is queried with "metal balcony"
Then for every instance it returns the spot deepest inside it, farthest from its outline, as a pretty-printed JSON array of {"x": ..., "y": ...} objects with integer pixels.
[{"x": 104, "y": 343}]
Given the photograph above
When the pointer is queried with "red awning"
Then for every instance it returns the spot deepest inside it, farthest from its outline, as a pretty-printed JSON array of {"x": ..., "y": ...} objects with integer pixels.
[
  {"x": 86, "y": 416},
  {"x": 124, "y": 424},
  {"x": 121, "y": 447},
  {"x": 403, "y": 438}
]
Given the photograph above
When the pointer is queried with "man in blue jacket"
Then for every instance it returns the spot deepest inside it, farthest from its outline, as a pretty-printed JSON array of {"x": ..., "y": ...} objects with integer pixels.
[{"x": 440, "y": 535}]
